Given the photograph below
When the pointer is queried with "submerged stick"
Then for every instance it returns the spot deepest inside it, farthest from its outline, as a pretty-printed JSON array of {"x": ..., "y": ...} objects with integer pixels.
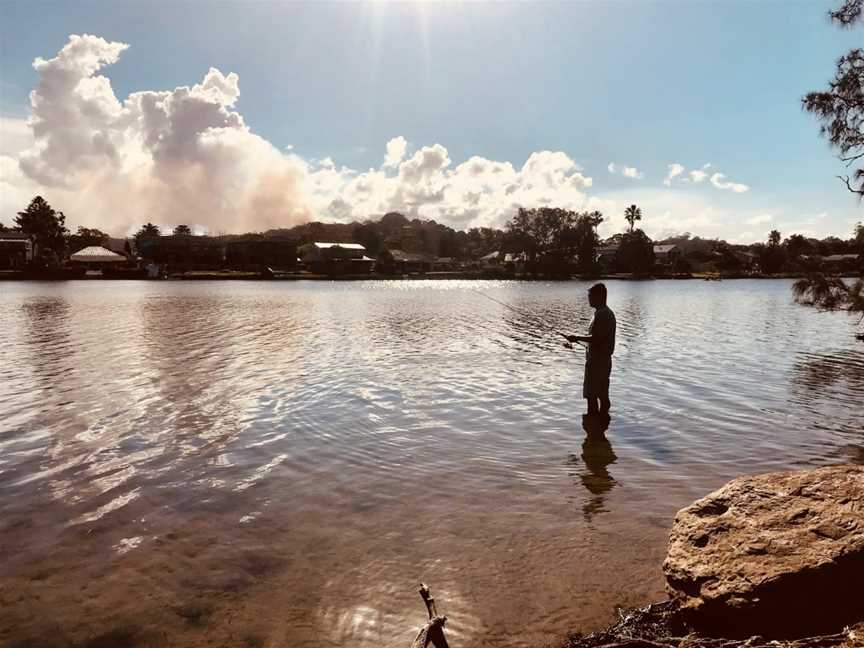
[{"x": 432, "y": 634}]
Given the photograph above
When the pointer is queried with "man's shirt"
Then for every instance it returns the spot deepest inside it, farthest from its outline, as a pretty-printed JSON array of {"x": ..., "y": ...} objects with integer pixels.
[{"x": 602, "y": 332}]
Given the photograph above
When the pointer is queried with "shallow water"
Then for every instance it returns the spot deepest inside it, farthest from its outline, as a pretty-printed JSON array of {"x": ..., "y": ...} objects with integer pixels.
[{"x": 279, "y": 464}]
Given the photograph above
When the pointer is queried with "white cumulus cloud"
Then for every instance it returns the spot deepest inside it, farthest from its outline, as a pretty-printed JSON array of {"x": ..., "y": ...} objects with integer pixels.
[
  {"x": 719, "y": 181},
  {"x": 477, "y": 192},
  {"x": 15, "y": 135},
  {"x": 396, "y": 149},
  {"x": 626, "y": 171},
  {"x": 674, "y": 170}
]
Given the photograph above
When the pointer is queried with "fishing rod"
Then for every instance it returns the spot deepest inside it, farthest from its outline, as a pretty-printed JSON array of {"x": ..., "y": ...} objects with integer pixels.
[{"x": 528, "y": 316}]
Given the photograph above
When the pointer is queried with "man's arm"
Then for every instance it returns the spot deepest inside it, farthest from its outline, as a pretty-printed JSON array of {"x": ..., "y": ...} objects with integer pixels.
[{"x": 580, "y": 338}]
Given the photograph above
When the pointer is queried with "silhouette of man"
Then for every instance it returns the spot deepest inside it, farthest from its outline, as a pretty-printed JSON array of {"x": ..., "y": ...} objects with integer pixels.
[{"x": 601, "y": 346}]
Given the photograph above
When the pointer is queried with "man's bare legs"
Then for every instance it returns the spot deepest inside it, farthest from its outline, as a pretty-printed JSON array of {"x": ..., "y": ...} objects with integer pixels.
[
  {"x": 598, "y": 406},
  {"x": 605, "y": 404}
]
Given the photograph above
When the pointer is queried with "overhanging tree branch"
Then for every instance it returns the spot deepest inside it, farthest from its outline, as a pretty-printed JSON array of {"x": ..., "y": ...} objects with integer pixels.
[{"x": 841, "y": 107}]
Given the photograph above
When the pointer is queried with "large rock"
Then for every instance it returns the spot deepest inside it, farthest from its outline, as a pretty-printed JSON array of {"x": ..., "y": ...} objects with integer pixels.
[{"x": 780, "y": 555}]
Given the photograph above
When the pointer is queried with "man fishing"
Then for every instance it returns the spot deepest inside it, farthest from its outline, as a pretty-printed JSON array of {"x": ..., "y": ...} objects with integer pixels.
[{"x": 601, "y": 346}]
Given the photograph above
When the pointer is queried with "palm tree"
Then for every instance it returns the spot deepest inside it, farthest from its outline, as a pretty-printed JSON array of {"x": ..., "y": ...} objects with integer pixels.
[
  {"x": 633, "y": 214},
  {"x": 149, "y": 229}
]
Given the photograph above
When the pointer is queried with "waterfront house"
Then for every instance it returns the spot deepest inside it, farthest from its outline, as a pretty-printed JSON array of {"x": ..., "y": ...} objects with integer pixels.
[
  {"x": 749, "y": 261},
  {"x": 97, "y": 258},
  {"x": 491, "y": 260},
  {"x": 516, "y": 261},
  {"x": 841, "y": 262},
  {"x": 606, "y": 256},
  {"x": 16, "y": 250},
  {"x": 410, "y": 262},
  {"x": 336, "y": 258},
  {"x": 444, "y": 263},
  {"x": 666, "y": 255}
]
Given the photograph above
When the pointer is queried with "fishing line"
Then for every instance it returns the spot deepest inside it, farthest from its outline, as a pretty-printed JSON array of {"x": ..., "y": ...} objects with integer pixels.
[{"x": 527, "y": 315}]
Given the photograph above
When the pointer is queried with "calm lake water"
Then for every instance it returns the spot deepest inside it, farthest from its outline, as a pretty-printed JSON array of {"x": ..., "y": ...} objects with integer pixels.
[{"x": 279, "y": 464}]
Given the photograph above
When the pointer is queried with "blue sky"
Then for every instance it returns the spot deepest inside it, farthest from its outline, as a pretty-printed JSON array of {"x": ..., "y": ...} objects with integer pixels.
[{"x": 638, "y": 84}]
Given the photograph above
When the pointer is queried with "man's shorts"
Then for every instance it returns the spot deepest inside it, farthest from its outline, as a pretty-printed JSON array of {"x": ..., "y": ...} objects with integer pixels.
[{"x": 596, "y": 382}]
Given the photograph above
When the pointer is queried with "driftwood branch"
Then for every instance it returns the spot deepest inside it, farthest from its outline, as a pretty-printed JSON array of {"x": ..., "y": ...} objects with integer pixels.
[{"x": 432, "y": 634}]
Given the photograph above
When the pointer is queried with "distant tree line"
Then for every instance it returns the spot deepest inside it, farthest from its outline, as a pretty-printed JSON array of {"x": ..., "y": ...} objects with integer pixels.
[
  {"x": 562, "y": 242},
  {"x": 396, "y": 231},
  {"x": 548, "y": 240}
]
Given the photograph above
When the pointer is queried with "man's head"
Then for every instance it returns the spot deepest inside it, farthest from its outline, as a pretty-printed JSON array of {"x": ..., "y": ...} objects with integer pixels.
[{"x": 597, "y": 295}]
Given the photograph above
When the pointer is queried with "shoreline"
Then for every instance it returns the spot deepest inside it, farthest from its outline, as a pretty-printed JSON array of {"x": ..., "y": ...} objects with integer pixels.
[{"x": 216, "y": 275}]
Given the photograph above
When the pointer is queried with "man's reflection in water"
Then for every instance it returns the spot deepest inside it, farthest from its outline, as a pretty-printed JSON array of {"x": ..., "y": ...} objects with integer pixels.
[{"x": 597, "y": 455}]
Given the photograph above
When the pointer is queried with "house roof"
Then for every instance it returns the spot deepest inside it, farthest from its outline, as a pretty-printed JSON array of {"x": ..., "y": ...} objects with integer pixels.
[
  {"x": 511, "y": 257},
  {"x": 401, "y": 255},
  {"x": 490, "y": 256},
  {"x": 664, "y": 249},
  {"x": 97, "y": 254},
  {"x": 347, "y": 246},
  {"x": 840, "y": 257},
  {"x": 9, "y": 235}
]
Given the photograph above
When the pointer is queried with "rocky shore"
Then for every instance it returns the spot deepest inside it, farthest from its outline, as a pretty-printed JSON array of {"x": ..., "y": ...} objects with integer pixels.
[{"x": 771, "y": 560}]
